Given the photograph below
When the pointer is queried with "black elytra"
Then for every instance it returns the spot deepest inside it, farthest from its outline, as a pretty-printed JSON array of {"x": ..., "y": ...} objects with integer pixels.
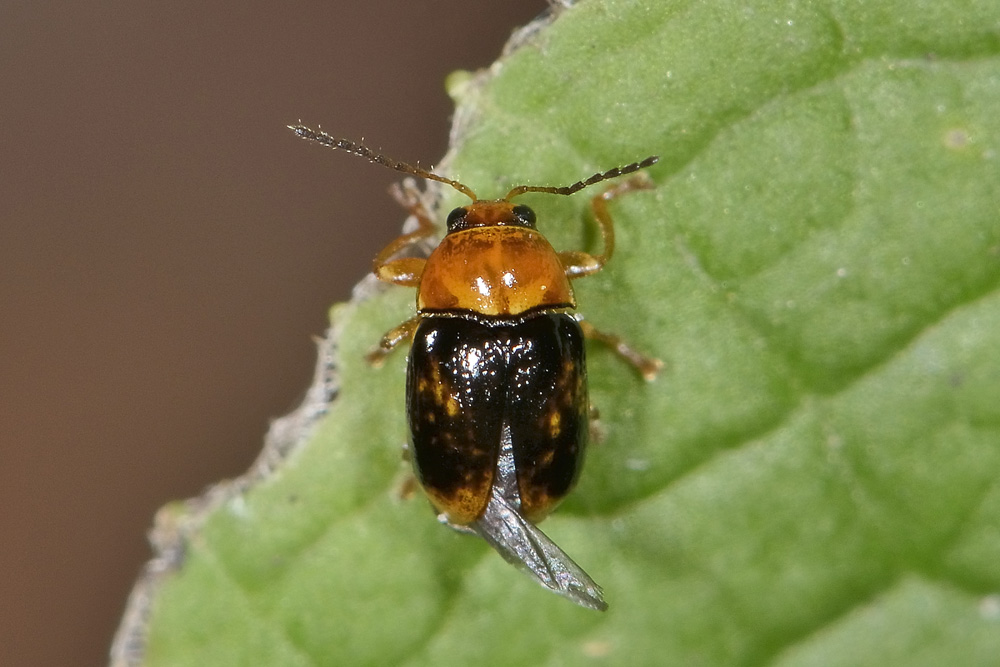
[{"x": 469, "y": 378}]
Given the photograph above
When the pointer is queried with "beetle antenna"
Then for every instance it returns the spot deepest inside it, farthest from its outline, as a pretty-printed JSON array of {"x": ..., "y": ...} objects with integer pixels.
[
  {"x": 361, "y": 150},
  {"x": 580, "y": 185}
]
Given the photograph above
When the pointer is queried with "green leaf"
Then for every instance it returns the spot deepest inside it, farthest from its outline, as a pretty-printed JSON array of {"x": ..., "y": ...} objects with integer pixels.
[{"x": 813, "y": 479}]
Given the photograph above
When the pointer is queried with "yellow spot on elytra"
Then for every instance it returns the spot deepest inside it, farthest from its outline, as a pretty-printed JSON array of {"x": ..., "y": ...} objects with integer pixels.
[{"x": 555, "y": 424}]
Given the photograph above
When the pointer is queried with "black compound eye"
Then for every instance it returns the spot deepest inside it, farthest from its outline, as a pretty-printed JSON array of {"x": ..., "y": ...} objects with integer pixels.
[
  {"x": 456, "y": 218},
  {"x": 525, "y": 214}
]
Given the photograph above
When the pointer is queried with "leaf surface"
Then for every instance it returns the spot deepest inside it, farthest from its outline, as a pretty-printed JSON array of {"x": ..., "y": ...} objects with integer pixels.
[{"x": 813, "y": 479}]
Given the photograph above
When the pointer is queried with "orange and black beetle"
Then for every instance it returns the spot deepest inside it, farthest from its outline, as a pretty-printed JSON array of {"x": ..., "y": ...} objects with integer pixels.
[{"x": 496, "y": 379}]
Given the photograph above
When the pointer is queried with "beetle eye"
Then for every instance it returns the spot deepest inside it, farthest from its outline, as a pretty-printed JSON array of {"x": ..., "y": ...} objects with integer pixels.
[
  {"x": 455, "y": 218},
  {"x": 525, "y": 214}
]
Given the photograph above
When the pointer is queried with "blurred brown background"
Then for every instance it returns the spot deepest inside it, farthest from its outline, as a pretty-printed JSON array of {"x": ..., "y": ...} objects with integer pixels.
[{"x": 167, "y": 248}]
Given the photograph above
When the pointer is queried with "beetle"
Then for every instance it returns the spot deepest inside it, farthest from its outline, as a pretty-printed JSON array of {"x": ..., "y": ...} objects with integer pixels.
[{"x": 496, "y": 380}]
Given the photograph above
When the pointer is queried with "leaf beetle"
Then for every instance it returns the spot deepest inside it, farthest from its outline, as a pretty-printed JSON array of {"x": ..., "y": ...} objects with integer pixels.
[{"x": 496, "y": 381}]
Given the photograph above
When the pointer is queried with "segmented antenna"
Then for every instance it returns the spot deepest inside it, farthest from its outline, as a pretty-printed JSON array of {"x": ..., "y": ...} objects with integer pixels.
[
  {"x": 361, "y": 150},
  {"x": 580, "y": 185}
]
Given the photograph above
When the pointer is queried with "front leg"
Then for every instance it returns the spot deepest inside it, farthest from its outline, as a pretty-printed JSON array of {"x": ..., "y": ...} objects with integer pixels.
[
  {"x": 405, "y": 271},
  {"x": 578, "y": 263}
]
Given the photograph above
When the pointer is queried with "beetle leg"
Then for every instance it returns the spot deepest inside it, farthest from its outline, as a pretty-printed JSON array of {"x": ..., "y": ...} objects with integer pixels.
[
  {"x": 393, "y": 337},
  {"x": 648, "y": 367},
  {"x": 407, "y": 487},
  {"x": 457, "y": 527},
  {"x": 407, "y": 195},
  {"x": 405, "y": 271},
  {"x": 578, "y": 263}
]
